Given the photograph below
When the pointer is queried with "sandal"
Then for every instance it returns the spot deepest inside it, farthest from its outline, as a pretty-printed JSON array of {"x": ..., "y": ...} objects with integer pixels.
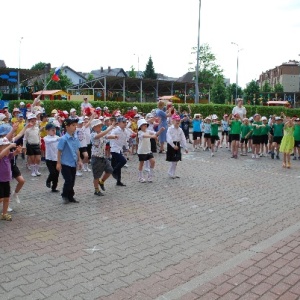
[
  {"x": 5, "y": 217},
  {"x": 284, "y": 165},
  {"x": 288, "y": 165}
]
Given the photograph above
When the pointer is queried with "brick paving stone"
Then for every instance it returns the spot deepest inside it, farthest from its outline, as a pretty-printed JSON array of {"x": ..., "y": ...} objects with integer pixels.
[
  {"x": 256, "y": 279},
  {"x": 289, "y": 296},
  {"x": 280, "y": 288},
  {"x": 269, "y": 296},
  {"x": 261, "y": 288}
]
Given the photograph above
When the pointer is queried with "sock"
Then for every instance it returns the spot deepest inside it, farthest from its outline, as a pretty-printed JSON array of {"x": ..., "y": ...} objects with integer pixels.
[
  {"x": 32, "y": 167},
  {"x": 151, "y": 171},
  {"x": 37, "y": 168},
  {"x": 97, "y": 189},
  {"x": 101, "y": 181},
  {"x": 140, "y": 174},
  {"x": 147, "y": 164}
]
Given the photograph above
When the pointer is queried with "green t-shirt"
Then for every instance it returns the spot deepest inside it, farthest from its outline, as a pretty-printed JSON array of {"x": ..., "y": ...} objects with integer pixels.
[
  {"x": 265, "y": 130},
  {"x": 214, "y": 129},
  {"x": 245, "y": 129},
  {"x": 297, "y": 133},
  {"x": 235, "y": 127},
  {"x": 256, "y": 130},
  {"x": 278, "y": 129}
]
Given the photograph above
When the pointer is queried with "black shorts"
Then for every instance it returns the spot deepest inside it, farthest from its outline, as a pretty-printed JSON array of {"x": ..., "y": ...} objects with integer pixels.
[
  {"x": 196, "y": 135},
  {"x": 153, "y": 145},
  {"x": 277, "y": 139},
  {"x": 186, "y": 133},
  {"x": 214, "y": 138},
  {"x": 225, "y": 132},
  {"x": 15, "y": 171},
  {"x": 297, "y": 144},
  {"x": 235, "y": 137},
  {"x": 256, "y": 139},
  {"x": 4, "y": 189},
  {"x": 33, "y": 149},
  {"x": 207, "y": 135},
  {"x": 145, "y": 157},
  {"x": 100, "y": 165},
  {"x": 244, "y": 141},
  {"x": 264, "y": 139}
]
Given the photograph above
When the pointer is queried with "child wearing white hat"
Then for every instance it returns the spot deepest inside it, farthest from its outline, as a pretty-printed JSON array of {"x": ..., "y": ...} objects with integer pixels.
[{"x": 144, "y": 148}]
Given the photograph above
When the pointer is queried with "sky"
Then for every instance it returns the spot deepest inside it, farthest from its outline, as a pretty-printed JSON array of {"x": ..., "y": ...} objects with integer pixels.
[{"x": 125, "y": 33}]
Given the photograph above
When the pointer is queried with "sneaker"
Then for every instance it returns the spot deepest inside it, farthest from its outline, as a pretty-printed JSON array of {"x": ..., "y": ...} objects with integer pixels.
[
  {"x": 150, "y": 179},
  {"x": 272, "y": 155},
  {"x": 277, "y": 156},
  {"x": 38, "y": 173},
  {"x": 9, "y": 209},
  {"x": 253, "y": 156},
  {"x": 33, "y": 174},
  {"x": 141, "y": 179},
  {"x": 119, "y": 183},
  {"x": 73, "y": 200},
  {"x": 86, "y": 169},
  {"x": 126, "y": 165},
  {"x": 55, "y": 191},
  {"x": 48, "y": 184},
  {"x": 212, "y": 154},
  {"x": 294, "y": 158},
  {"x": 65, "y": 200},
  {"x": 98, "y": 193},
  {"x": 78, "y": 173},
  {"x": 6, "y": 217},
  {"x": 101, "y": 184},
  {"x": 15, "y": 197},
  {"x": 261, "y": 155},
  {"x": 147, "y": 170}
]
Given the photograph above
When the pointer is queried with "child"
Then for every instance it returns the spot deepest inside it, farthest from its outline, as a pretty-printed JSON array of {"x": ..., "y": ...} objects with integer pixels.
[
  {"x": 43, "y": 133},
  {"x": 197, "y": 134},
  {"x": 277, "y": 136},
  {"x": 31, "y": 142},
  {"x": 206, "y": 129},
  {"x": 68, "y": 157},
  {"x": 175, "y": 140},
  {"x": 264, "y": 138},
  {"x": 185, "y": 126},
  {"x": 245, "y": 129},
  {"x": 297, "y": 139},
  {"x": 51, "y": 142},
  {"x": 214, "y": 134},
  {"x": 144, "y": 148},
  {"x": 287, "y": 143},
  {"x": 235, "y": 130},
  {"x": 256, "y": 135},
  {"x": 101, "y": 166},
  {"x": 6, "y": 174},
  {"x": 225, "y": 131}
]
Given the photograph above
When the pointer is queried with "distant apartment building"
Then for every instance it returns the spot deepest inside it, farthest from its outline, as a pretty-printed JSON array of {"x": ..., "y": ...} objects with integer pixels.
[{"x": 287, "y": 74}]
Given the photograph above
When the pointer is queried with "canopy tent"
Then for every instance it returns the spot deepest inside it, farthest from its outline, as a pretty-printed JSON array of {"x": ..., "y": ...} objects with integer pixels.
[{"x": 52, "y": 94}]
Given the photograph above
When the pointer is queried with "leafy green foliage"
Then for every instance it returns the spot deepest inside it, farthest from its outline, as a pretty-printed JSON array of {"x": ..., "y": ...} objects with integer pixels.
[
  {"x": 251, "y": 92},
  {"x": 132, "y": 72},
  {"x": 218, "y": 90},
  {"x": 39, "y": 66},
  {"x": 150, "y": 71},
  {"x": 278, "y": 88}
]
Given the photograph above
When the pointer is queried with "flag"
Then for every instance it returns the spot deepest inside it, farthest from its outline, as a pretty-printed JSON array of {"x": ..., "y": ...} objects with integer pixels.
[{"x": 55, "y": 76}]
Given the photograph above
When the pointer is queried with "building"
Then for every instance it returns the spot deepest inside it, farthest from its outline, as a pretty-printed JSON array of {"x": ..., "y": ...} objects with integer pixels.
[{"x": 287, "y": 74}]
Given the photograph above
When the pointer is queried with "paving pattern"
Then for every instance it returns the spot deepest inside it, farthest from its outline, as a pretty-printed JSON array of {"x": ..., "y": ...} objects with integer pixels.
[{"x": 227, "y": 229}]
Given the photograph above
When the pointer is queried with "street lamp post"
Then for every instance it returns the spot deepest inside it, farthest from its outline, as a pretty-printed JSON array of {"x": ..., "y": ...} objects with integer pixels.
[
  {"x": 138, "y": 72},
  {"x": 198, "y": 54},
  {"x": 237, "y": 69},
  {"x": 19, "y": 92}
]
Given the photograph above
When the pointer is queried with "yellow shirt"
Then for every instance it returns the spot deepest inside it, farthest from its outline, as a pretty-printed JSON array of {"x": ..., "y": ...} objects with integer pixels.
[
  {"x": 43, "y": 132},
  {"x": 20, "y": 126},
  {"x": 134, "y": 126}
]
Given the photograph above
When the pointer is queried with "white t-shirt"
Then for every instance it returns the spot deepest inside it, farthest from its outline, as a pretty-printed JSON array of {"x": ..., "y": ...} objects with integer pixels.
[
  {"x": 144, "y": 146},
  {"x": 239, "y": 110},
  {"x": 81, "y": 137},
  {"x": 85, "y": 105}
]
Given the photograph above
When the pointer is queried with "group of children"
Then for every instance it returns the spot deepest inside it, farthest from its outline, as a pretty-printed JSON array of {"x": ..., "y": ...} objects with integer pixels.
[
  {"x": 69, "y": 144},
  {"x": 257, "y": 135}
]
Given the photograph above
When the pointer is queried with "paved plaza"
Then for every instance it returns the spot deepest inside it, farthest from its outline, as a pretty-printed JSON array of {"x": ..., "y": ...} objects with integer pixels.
[{"x": 227, "y": 229}]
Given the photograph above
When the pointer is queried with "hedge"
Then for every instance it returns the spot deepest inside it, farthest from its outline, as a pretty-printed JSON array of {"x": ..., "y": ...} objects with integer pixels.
[{"x": 204, "y": 109}]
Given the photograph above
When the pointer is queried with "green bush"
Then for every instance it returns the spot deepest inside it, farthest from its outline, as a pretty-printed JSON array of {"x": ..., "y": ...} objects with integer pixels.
[{"x": 204, "y": 109}]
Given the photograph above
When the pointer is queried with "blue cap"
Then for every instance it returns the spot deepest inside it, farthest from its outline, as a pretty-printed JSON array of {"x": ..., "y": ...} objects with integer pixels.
[
  {"x": 121, "y": 119},
  {"x": 20, "y": 115},
  {"x": 5, "y": 129},
  {"x": 49, "y": 126}
]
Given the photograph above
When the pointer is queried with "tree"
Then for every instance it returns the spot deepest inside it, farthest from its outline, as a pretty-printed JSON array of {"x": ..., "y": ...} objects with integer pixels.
[
  {"x": 150, "y": 71},
  {"x": 208, "y": 68},
  {"x": 251, "y": 92},
  {"x": 231, "y": 92},
  {"x": 278, "y": 88},
  {"x": 218, "y": 90},
  {"x": 39, "y": 66},
  {"x": 132, "y": 72},
  {"x": 266, "y": 88},
  {"x": 90, "y": 77}
]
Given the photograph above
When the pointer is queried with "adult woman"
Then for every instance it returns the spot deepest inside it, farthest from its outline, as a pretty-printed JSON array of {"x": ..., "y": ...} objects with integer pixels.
[
  {"x": 163, "y": 117},
  {"x": 239, "y": 109}
]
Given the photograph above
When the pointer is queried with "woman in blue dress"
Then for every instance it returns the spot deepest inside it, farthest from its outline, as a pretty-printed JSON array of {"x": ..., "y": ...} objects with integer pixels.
[{"x": 163, "y": 122}]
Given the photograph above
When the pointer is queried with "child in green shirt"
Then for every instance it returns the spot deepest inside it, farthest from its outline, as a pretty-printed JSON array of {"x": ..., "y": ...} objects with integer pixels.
[{"x": 245, "y": 129}]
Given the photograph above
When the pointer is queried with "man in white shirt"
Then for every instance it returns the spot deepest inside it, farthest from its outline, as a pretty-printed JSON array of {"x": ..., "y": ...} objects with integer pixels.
[
  {"x": 85, "y": 104},
  {"x": 239, "y": 109}
]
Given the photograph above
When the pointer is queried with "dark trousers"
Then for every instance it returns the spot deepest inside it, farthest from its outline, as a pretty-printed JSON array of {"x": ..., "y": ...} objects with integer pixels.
[
  {"x": 117, "y": 162},
  {"x": 53, "y": 173},
  {"x": 69, "y": 175}
]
